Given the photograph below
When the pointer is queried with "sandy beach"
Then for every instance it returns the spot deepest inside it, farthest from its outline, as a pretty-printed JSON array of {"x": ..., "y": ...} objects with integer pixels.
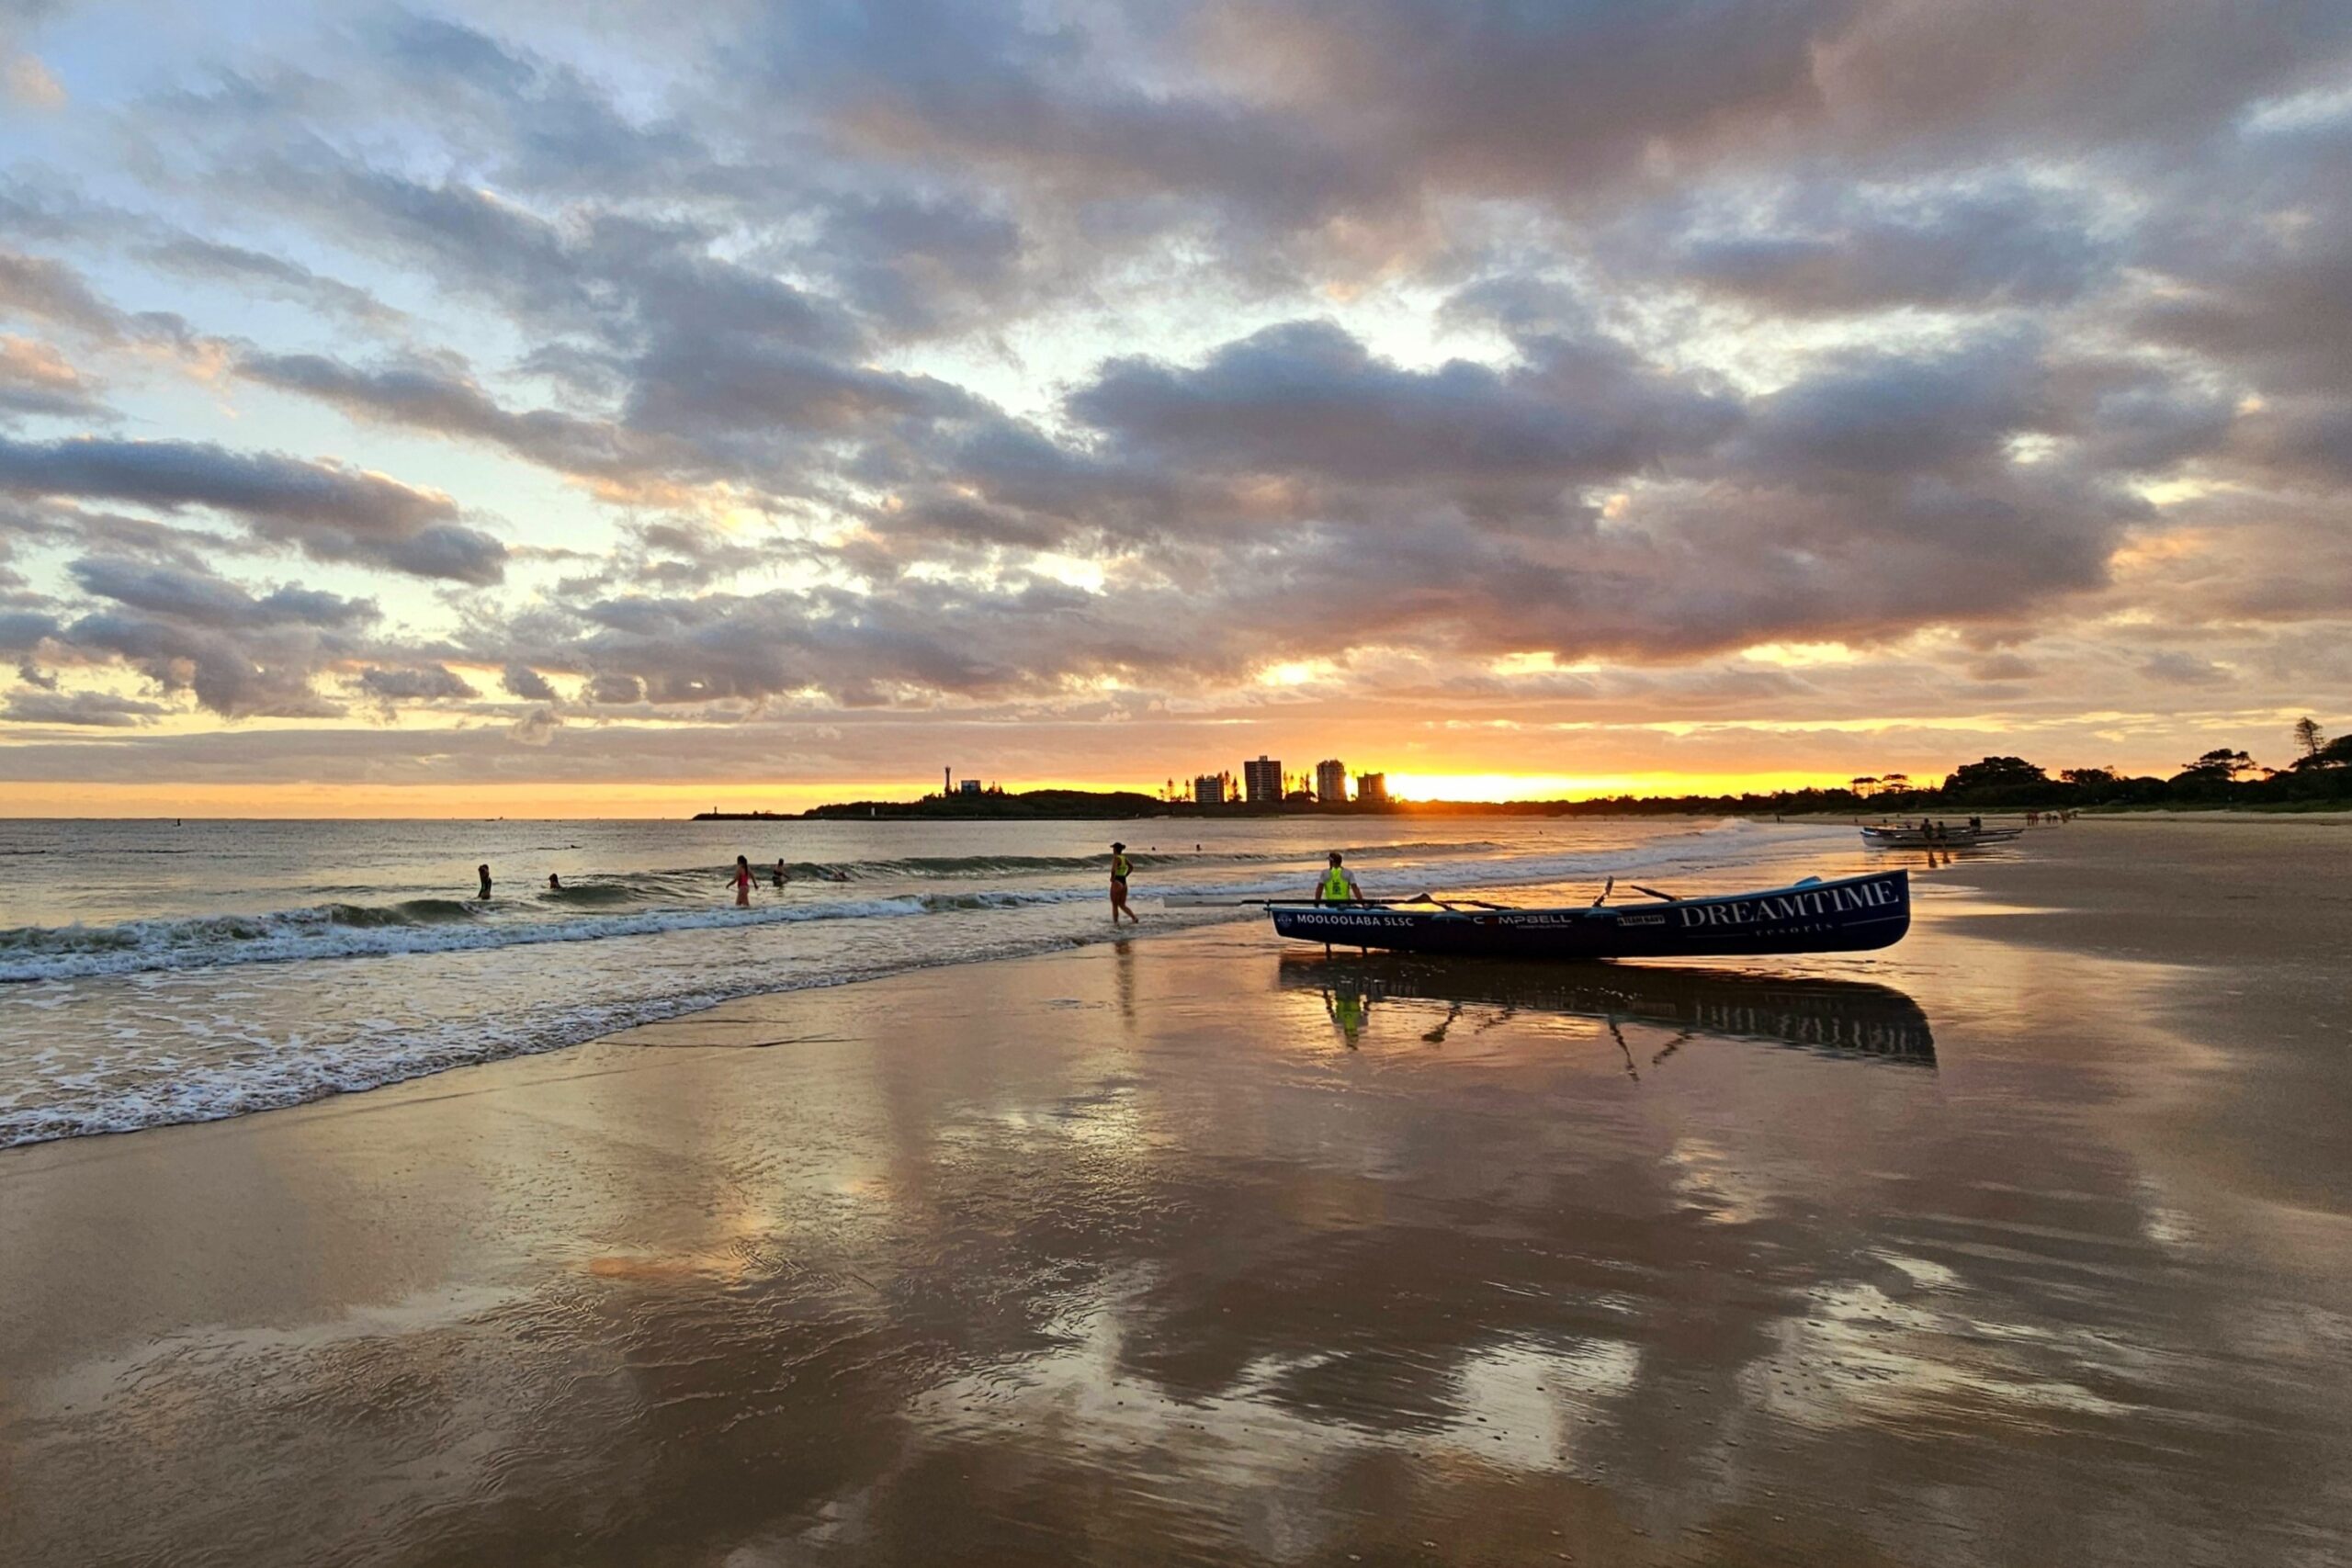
[{"x": 2029, "y": 1241}]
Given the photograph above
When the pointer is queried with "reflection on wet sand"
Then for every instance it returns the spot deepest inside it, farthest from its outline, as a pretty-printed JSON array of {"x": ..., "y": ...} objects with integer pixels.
[
  {"x": 1841, "y": 1017},
  {"x": 1119, "y": 1255}
]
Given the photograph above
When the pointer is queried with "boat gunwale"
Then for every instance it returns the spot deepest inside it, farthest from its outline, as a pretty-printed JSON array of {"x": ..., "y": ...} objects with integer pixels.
[{"x": 1433, "y": 911}]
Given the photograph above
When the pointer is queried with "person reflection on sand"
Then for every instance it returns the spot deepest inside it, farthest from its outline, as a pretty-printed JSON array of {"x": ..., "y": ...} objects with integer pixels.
[{"x": 1350, "y": 1009}]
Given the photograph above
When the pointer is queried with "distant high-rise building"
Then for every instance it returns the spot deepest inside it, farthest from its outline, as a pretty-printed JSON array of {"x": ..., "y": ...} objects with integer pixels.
[
  {"x": 1261, "y": 781},
  {"x": 1331, "y": 781},
  {"x": 1372, "y": 789},
  {"x": 1211, "y": 789},
  {"x": 971, "y": 786}
]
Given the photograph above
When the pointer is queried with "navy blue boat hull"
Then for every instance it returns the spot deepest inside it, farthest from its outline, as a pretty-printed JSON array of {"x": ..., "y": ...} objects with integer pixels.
[{"x": 1853, "y": 914}]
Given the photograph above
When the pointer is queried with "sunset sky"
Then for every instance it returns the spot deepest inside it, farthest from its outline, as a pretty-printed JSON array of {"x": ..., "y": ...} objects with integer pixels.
[{"x": 582, "y": 408}]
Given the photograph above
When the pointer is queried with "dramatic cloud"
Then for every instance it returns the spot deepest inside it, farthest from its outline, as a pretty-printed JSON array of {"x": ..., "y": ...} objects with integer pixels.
[
  {"x": 1732, "y": 384},
  {"x": 330, "y": 510}
]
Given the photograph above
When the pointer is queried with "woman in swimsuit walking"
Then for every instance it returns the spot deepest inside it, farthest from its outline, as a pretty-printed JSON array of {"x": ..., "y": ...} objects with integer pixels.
[{"x": 1119, "y": 870}]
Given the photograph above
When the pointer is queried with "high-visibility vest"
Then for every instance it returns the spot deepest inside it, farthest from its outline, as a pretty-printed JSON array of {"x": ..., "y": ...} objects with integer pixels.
[
  {"x": 1119, "y": 867},
  {"x": 1335, "y": 884}
]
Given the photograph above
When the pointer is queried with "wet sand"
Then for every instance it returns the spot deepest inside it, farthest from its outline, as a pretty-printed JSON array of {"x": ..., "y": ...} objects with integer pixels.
[{"x": 2024, "y": 1243}]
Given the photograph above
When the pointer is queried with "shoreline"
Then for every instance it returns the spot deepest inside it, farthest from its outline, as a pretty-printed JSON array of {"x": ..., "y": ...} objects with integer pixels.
[{"x": 2016, "y": 1243}]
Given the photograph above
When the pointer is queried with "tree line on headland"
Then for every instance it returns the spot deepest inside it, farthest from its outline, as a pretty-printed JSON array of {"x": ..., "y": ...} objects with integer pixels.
[{"x": 2318, "y": 778}]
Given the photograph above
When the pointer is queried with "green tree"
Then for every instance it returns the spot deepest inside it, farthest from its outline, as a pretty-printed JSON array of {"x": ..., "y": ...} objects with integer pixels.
[
  {"x": 1996, "y": 772},
  {"x": 2336, "y": 753},
  {"x": 2220, "y": 763}
]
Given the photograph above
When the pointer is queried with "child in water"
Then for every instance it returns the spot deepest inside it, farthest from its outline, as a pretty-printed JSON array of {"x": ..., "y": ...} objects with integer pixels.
[{"x": 742, "y": 883}]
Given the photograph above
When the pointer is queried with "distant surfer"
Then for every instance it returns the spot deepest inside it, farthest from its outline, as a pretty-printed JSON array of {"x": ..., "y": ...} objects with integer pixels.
[
  {"x": 782, "y": 875},
  {"x": 1338, "y": 884},
  {"x": 1120, "y": 870},
  {"x": 485, "y": 883},
  {"x": 742, "y": 883}
]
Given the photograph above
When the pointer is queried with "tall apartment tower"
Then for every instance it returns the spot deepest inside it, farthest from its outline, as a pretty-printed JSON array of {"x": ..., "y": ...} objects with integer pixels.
[
  {"x": 1372, "y": 789},
  {"x": 1331, "y": 781},
  {"x": 1261, "y": 781},
  {"x": 1209, "y": 789}
]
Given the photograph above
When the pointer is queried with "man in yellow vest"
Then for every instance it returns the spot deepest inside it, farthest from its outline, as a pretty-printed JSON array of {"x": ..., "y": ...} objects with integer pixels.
[{"x": 1338, "y": 884}]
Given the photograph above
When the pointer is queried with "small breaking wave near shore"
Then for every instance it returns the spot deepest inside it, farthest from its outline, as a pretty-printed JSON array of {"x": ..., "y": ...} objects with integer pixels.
[{"x": 357, "y": 981}]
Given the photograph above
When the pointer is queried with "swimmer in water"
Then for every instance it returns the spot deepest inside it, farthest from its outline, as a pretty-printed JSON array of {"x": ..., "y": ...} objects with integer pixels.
[
  {"x": 743, "y": 880},
  {"x": 484, "y": 895},
  {"x": 782, "y": 875},
  {"x": 555, "y": 882}
]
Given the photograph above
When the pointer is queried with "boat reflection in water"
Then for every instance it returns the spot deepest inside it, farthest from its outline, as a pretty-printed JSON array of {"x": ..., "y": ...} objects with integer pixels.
[{"x": 1844, "y": 1018}]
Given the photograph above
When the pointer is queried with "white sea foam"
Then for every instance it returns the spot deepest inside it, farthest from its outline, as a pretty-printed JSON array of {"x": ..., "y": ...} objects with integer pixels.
[{"x": 141, "y": 1023}]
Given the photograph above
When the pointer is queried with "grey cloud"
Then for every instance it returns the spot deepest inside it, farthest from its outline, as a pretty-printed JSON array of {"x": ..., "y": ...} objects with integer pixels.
[
  {"x": 100, "y": 710},
  {"x": 730, "y": 382},
  {"x": 430, "y": 683},
  {"x": 433, "y": 399},
  {"x": 535, "y": 727},
  {"x": 919, "y": 265},
  {"x": 1998, "y": 76},
  {"x": 1846, "y": 247},
  {"x": 22, "y": 631},
  {"x": 196, "y": 256},
  {"x": 1882, "y": 414},
  {"x": 1308, "y": 398},
  {"x": 242, "y": 674},
  {"x": 549, "y": 128},
  {"x": 981, "y": 86},
  {"x": 521, "y": 680},
  {"x": 2173, "y": 668},
  {"x": 330, "y": 510},
  {"x": 200, "y": 597},
  {"x": 44, "y": 289}
]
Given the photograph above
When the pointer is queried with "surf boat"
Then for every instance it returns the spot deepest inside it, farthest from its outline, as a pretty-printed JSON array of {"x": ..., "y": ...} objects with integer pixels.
[
  {"x": 1902, "y": 837},
  {"x": 1852, "y": 914}
]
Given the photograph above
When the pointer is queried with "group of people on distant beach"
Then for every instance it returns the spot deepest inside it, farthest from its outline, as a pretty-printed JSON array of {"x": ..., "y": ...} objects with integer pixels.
[
  {"x": 741, "y": 878},
  {"x": 1338, "y": 884}
]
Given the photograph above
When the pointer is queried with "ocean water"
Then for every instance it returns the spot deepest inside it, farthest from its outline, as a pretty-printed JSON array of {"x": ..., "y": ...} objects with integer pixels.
[{"x": 153, "y": 973}]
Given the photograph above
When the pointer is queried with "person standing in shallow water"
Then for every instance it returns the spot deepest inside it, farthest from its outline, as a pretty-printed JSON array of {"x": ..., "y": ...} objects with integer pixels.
[
  {"x": 1120, "y": 868},
  {"x": 742, "y": 883},
  {"x": 484, "y": 894}
]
